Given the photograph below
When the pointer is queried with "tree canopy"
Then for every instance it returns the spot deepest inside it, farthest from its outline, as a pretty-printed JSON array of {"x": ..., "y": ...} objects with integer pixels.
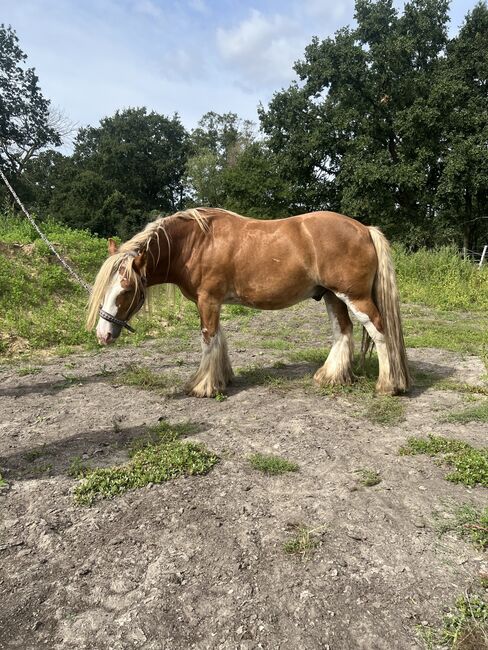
[
  {"x": 25, "y": 124},
  {"x": 387, "y": 121},
  {"x": 371, "y": 126}
]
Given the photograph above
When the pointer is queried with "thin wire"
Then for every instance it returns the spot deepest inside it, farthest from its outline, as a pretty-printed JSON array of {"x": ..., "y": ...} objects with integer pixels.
[{"x": 70, "y": 270}]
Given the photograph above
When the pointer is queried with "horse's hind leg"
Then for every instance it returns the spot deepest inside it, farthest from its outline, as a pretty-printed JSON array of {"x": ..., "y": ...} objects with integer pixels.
[
  {"x": 367, "y": 313},
  {"x": 338, "y": 367},
  {"x": 215, "y": 370}
]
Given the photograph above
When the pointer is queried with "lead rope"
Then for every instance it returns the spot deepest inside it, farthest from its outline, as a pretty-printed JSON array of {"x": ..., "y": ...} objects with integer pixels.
[{"x": 70, "y": 270}]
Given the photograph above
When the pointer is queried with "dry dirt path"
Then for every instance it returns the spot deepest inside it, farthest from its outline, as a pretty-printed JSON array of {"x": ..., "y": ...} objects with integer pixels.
[{"x": 199, "y": 562}]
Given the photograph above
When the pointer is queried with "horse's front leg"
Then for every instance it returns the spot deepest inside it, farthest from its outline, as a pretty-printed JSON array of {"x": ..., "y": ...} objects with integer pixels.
[{"x": 215, "y": 370}]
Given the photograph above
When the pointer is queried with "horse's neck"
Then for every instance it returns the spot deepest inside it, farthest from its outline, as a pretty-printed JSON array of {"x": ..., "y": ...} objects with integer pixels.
[{"x": 168, "y": 251}]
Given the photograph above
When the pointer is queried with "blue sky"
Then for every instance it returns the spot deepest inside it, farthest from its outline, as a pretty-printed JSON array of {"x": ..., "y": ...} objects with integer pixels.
[{"x": 96, "y": 56}]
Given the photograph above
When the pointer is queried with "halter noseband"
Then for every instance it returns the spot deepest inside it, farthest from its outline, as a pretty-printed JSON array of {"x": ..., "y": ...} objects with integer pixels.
[
  {"x": 121, "y": 323},
  {"x": 111, "y": 319}
]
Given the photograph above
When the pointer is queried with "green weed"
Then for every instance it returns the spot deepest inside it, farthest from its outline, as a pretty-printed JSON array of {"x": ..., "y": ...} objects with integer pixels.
[
  {"x": 162, "y": 433},
  {"x": 464, "y": 628},
  {"x": 155, "y": 463},
  {"x": 369, "y": 477},
  {"x": 304, "y": 542},
  {"x": 155, "y": 457},
  {"x": 34, "y": 454},
  {"x": 310, "y": 355},
  {"x": 28, "y": 370},
  {"x": 272, "y": 464},
  {"x": 385, "y": 410},
  {"x": 77, "y": 468},
  {"x": 145, "y": 378},
  {"x": 3, "y": 482},
  {"x": 453, "y": 283},
  {"x": 468, "y": 522},
  {"x": 478, "y": 413},
  {"x": 470, "y": 464}
]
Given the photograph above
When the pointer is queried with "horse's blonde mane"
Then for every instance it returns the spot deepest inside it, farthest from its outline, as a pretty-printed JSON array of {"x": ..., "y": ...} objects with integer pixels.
[{"x": 128, "y": 251}]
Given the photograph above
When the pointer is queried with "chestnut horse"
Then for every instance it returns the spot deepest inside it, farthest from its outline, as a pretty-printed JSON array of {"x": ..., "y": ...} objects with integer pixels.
[{"x": 217, "y": 257}]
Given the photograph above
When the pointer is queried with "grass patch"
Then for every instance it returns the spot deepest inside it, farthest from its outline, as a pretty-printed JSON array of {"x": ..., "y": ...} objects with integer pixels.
[
  {"x": 368, "y": 477},
  {"x": 277, "y": 377},
  {"x": 385, "y": 410},
  {"x": 270, "y": 464},
  {"x": 275, "y": 344},
  {"x": 478, "y": 413},
  {"x": 453, "y": 283},
  {"x": 231, "y": 311},
  {"x": 3, "y": 482},
  {"x": 438, "y": 329},
  {"x": 310, "y": 355},
  {"x": 470, "y": 464},
  {"x": 468, "y": 522},
  {"x": 304, "y": 541},
  {"x": 144, "y": 378},
  {"x": 162, "y": 433},
  {"x": 159, "y": 457},
  {"x": 34, "y": 454},
  {"x": 77, "y": 468},
  {"x": 463, "y": 628},
  {"x": 28, "y": 370}
]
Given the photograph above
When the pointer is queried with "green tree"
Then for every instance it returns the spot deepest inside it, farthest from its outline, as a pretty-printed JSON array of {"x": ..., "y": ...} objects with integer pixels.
[
  {"x": 216, "y": 145},
  {"x": 462, "y": 92},
  {"x": 253, "y": 185},
  {"x": 143, "y": 155},
  {"x": 26, "y": 126},
  {"x": 360, "y": 133},
  {"x": 121, "y": 171},
  {"x": 42, "y": 178}
]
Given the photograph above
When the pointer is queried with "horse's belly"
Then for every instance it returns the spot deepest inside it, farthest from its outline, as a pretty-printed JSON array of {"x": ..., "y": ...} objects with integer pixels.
[{"x": 271, "y": 298}]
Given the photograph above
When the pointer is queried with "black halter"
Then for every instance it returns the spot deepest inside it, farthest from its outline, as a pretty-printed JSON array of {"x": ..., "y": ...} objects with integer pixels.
[{"x": 121, "y": 323}]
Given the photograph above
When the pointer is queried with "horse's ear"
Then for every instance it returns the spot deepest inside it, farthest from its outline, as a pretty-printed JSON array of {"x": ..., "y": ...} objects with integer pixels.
[{"x": 112, "y": 246}]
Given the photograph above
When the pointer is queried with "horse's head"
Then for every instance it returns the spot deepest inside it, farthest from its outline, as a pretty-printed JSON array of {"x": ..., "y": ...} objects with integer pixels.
[{"x": 119, "y": 293}]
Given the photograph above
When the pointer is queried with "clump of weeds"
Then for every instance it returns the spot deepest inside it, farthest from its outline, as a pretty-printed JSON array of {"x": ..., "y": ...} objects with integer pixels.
[
  {"x": 470, "y": 465},
  {"x": 368, "y": 477},
  {"x": 304, "y": 542},
  {"x": 269, "y": 464},
  {"x": 468, "y": 522},
  {"x": 465, "y": 627},
  {"x": 159, "y": 457}
]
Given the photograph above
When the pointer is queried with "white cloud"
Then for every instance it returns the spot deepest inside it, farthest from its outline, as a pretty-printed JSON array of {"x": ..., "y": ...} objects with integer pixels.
[
  {"x": 331, "y": 11},
  {"x": 148, "y": 7},
  {"x": 261, "y": 48}
]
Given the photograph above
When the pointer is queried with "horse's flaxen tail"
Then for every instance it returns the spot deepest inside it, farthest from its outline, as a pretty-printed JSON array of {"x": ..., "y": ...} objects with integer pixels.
[{"x": 385, "y": 295}]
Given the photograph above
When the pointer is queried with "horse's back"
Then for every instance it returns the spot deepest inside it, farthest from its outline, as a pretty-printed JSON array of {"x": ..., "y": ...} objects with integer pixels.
[{"x": 287, "y": 259}]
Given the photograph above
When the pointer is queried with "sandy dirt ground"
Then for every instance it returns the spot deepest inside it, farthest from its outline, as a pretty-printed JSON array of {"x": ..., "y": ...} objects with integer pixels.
[{"x": 199, "y": 562}]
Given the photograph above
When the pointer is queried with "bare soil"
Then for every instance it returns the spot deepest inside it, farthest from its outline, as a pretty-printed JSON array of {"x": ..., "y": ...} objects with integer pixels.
[{"x": 199, "y": 562}]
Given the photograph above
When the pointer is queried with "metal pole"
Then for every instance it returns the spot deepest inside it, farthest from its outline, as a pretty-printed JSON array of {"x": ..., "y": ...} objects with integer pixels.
[{"x": 483, "y": 254}]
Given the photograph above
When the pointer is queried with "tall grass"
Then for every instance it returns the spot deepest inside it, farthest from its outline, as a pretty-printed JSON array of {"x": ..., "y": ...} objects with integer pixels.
[{"x": 441, "y": 279}]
